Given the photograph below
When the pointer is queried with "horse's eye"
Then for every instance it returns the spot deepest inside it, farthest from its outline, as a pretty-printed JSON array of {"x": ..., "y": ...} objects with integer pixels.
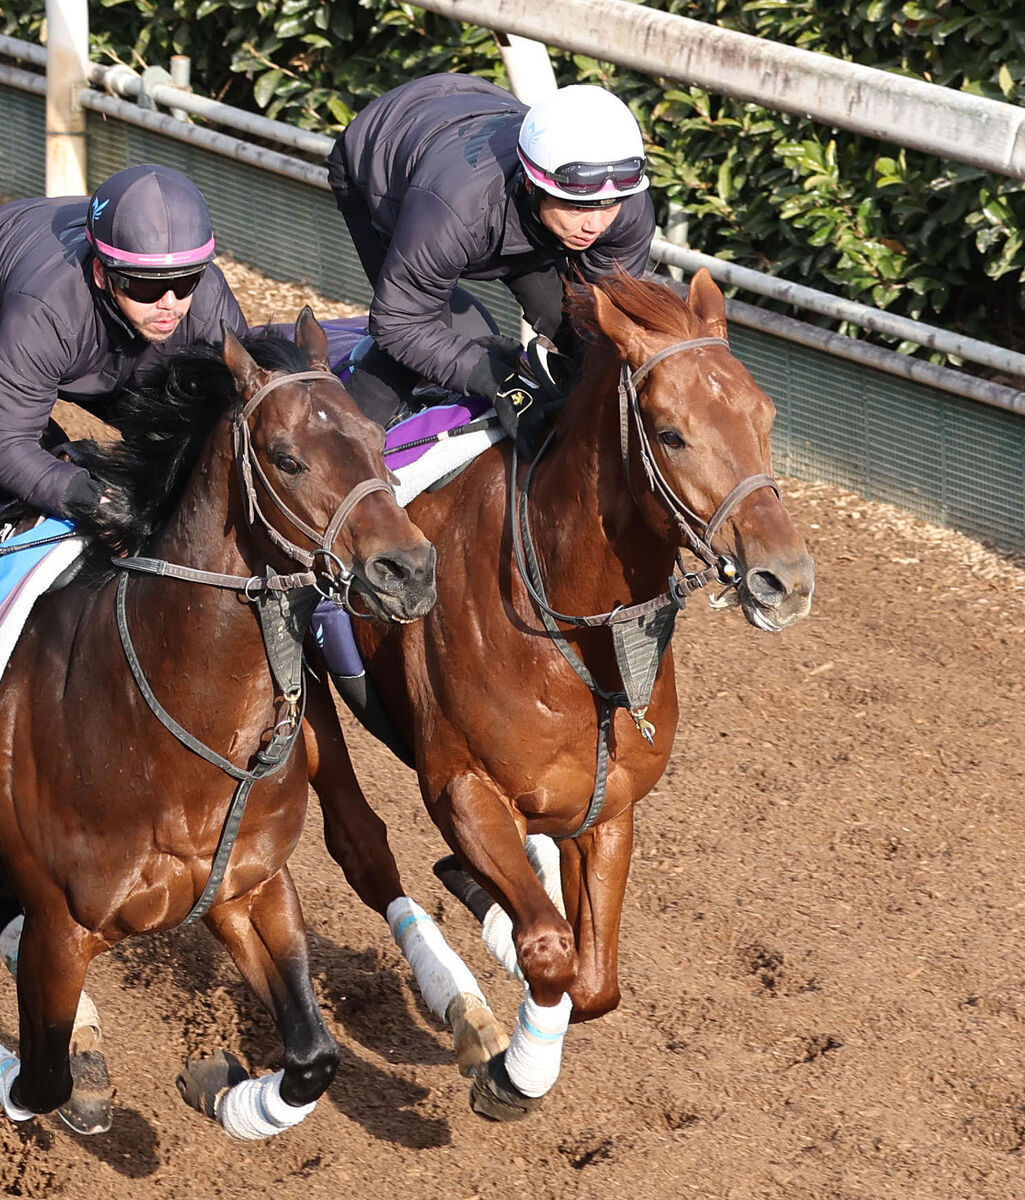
[
  {"x": 671, "y": 439},
  {"x": 287, "y": 464}
]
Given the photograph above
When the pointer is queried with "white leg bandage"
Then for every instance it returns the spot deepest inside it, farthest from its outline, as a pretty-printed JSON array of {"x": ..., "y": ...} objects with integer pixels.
[
  {"x": 545, "y": 858},
  {"x": 534, "y": 1057},
  {"x": 440, "y": 973},
  {"x": 10, "y": 1068},
  {"x": 253, "y": 1109},
  {"x": 496, "y": 933}
]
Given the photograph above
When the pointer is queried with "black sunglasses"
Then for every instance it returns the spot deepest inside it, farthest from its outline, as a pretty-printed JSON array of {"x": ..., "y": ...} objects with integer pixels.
[{"x": 144, "y": 289}]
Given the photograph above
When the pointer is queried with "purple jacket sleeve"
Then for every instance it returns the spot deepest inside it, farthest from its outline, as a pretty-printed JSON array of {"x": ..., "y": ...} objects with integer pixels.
[{"x": 34, "y": 357}]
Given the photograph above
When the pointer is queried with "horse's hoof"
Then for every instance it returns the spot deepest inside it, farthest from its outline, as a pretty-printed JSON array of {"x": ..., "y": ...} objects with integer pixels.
[
  {"x": 476, "y": 1033},
  {"x": 88, "y": 1109},
  {"x": 495, "y": 1097},
  {"x": 202, "y": 1080}
]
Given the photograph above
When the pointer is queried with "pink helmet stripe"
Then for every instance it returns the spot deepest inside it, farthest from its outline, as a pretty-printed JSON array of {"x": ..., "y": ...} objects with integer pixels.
[{"x": 179, "y": 258}]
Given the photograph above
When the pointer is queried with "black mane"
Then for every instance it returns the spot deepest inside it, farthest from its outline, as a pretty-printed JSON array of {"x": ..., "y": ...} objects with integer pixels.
[{"x": 164, "y": 424}]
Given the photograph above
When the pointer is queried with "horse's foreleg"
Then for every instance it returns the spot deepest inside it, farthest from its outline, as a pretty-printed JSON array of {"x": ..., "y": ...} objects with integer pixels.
[
  {"x": 263, "y": 932},
  {"x": 52, "y": 962},
  {"x": 355, "y": 836},
  {"x": 357, "y": 839},
  {"x": 594, "y": 871},
  {"x": 88, "y": 1110},
  {"x": 491, "y": 844}
]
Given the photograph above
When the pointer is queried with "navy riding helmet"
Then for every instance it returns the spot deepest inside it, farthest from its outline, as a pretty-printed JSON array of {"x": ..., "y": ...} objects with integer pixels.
[{"x": 150, "y": 220}]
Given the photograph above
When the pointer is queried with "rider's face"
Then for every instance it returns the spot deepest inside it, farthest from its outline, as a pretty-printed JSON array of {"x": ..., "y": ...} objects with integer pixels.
[
  {"x": 575, "y": 226},
  {"x": 155, "y": 322}
]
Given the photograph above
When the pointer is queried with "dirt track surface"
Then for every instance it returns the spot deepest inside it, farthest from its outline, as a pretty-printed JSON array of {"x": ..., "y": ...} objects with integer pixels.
[{"x": 822, "y": 962}]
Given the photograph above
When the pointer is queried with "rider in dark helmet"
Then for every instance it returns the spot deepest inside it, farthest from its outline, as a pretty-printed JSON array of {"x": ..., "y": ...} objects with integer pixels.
[
  {"x": 93, "y": 292},
  {"x": 450, "y": 178}
]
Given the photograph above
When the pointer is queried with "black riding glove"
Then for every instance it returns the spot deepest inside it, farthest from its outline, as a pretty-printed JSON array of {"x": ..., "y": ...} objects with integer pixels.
[
  {"x": 82, "y": 498},
  {"x": 501, "y": 355},
  {"x": 102, "y": 509},
  {"x": 516, "y": 394},
  {"x": 518, "y": 402}
]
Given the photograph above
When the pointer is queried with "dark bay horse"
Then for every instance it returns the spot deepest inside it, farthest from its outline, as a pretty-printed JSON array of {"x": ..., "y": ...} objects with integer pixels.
[
  {"x": 526, "y": 718},
  {"x": 139, "y": 704}
]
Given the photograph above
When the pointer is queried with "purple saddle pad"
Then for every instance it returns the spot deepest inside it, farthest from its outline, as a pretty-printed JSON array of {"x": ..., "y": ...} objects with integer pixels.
[{"x": 410, "y": 439}]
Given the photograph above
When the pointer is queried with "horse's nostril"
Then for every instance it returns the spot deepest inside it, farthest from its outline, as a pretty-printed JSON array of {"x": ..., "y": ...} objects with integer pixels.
[
  {"x": 389, "y": 574},
  {"x": 766, "y": 588}
]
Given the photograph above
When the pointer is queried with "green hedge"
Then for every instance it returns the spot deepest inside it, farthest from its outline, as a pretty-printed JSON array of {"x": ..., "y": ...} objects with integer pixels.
[{"x": 891, "y": 228}]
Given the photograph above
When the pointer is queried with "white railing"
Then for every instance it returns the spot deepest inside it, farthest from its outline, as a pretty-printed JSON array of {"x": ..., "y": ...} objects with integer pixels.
[
  {"x": 120, "y": 81},
  {"x": 910, "y": 112}
]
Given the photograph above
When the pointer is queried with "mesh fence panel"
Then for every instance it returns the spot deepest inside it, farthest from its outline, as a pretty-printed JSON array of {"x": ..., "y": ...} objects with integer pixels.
[{"x": 952, "y": 461}]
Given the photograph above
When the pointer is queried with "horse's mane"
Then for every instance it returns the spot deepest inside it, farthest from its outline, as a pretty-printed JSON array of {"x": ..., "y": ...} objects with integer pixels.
[
  {"x": 652, "y": 304},
  {"x": 164, "y": 424}
]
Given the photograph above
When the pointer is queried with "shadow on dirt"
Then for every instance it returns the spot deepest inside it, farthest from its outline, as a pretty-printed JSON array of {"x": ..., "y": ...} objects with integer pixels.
[{"x": 204, "y": 1004}]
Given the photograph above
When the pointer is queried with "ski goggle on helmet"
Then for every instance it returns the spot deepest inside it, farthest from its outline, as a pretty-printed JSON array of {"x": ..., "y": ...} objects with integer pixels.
[
  {"x": 583, "y": 145},
  {"x": 150, "y": 227}
]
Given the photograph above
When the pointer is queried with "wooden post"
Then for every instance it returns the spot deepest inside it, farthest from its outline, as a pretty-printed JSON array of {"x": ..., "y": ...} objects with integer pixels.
[{"x": 67, "y": 66}]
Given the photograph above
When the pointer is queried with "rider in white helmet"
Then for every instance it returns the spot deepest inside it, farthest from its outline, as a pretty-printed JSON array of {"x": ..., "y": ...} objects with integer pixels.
[{"x": 451, "y": 178}]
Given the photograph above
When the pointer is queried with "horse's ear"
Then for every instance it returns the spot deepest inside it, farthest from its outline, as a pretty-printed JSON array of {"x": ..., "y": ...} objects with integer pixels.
[
  {"x": 311, "y": 338},
  {"x": 621, "y": 331},
  {"x": 238, "y": 360},
  {"x": 707, "y": 303}
]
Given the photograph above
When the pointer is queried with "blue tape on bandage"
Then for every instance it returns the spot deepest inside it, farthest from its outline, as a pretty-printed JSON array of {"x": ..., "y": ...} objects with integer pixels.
[
  {"x": 410, "y": 920},
  {"x": 540, "y": 1035}
]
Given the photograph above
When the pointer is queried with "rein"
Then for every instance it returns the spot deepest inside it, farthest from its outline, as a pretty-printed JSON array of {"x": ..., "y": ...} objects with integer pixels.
[
  {"x": 641, "y": 632},
  {"x": 284, "y": 605}
]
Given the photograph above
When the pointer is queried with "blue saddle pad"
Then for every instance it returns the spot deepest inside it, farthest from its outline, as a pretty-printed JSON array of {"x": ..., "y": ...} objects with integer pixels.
[{"x": 15, "y": 566}]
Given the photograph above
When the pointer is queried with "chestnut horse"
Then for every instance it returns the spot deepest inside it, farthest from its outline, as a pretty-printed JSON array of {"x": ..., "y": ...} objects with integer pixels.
[
  {"x": 538, "y": 694},
  {"x": 145, "y": 706}
]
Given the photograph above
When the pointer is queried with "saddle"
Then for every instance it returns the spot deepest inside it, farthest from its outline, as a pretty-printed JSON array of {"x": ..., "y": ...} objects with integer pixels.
[{"x": 40, "y": 558}]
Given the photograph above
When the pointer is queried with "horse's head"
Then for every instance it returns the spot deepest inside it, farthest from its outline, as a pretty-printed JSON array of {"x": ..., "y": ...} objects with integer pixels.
[
  {"x": 697, "y": 454},
  {"x": 314, "y": 477}
]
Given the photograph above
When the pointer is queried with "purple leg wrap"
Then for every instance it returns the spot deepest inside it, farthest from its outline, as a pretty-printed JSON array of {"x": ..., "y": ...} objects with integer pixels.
[{"x": 332, "y": 627}]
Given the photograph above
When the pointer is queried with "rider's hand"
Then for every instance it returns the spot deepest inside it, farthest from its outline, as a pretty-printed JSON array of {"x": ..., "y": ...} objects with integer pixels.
[
  {"x": 492, "y": 369},
  {"x": 102, "y": 509},
  {"x": 504, "y": 377},
  {"x": 82, "y": 498}
]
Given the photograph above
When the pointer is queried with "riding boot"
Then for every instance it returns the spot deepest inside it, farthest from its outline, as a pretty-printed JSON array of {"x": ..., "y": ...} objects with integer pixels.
[
  {"x": 364, "y": 703},
  {"x": 331, "y": 626}
]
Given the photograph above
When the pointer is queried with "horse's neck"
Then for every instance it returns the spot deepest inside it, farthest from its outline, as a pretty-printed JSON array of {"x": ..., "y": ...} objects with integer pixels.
[
  {"x": 207, "y": 532},
  {"x": 595, "y": 548}
]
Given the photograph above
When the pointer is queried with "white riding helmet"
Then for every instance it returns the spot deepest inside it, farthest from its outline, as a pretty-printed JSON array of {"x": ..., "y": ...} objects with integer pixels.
[{"x": 582, "y": 144}]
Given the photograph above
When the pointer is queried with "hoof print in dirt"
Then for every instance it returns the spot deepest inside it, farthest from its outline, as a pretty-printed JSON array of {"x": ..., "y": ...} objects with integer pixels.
[
  {"x": 495, "y": 1097},
  {"x": 89, "y": 1108},
  {"x": 202, "y": 1080}
]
